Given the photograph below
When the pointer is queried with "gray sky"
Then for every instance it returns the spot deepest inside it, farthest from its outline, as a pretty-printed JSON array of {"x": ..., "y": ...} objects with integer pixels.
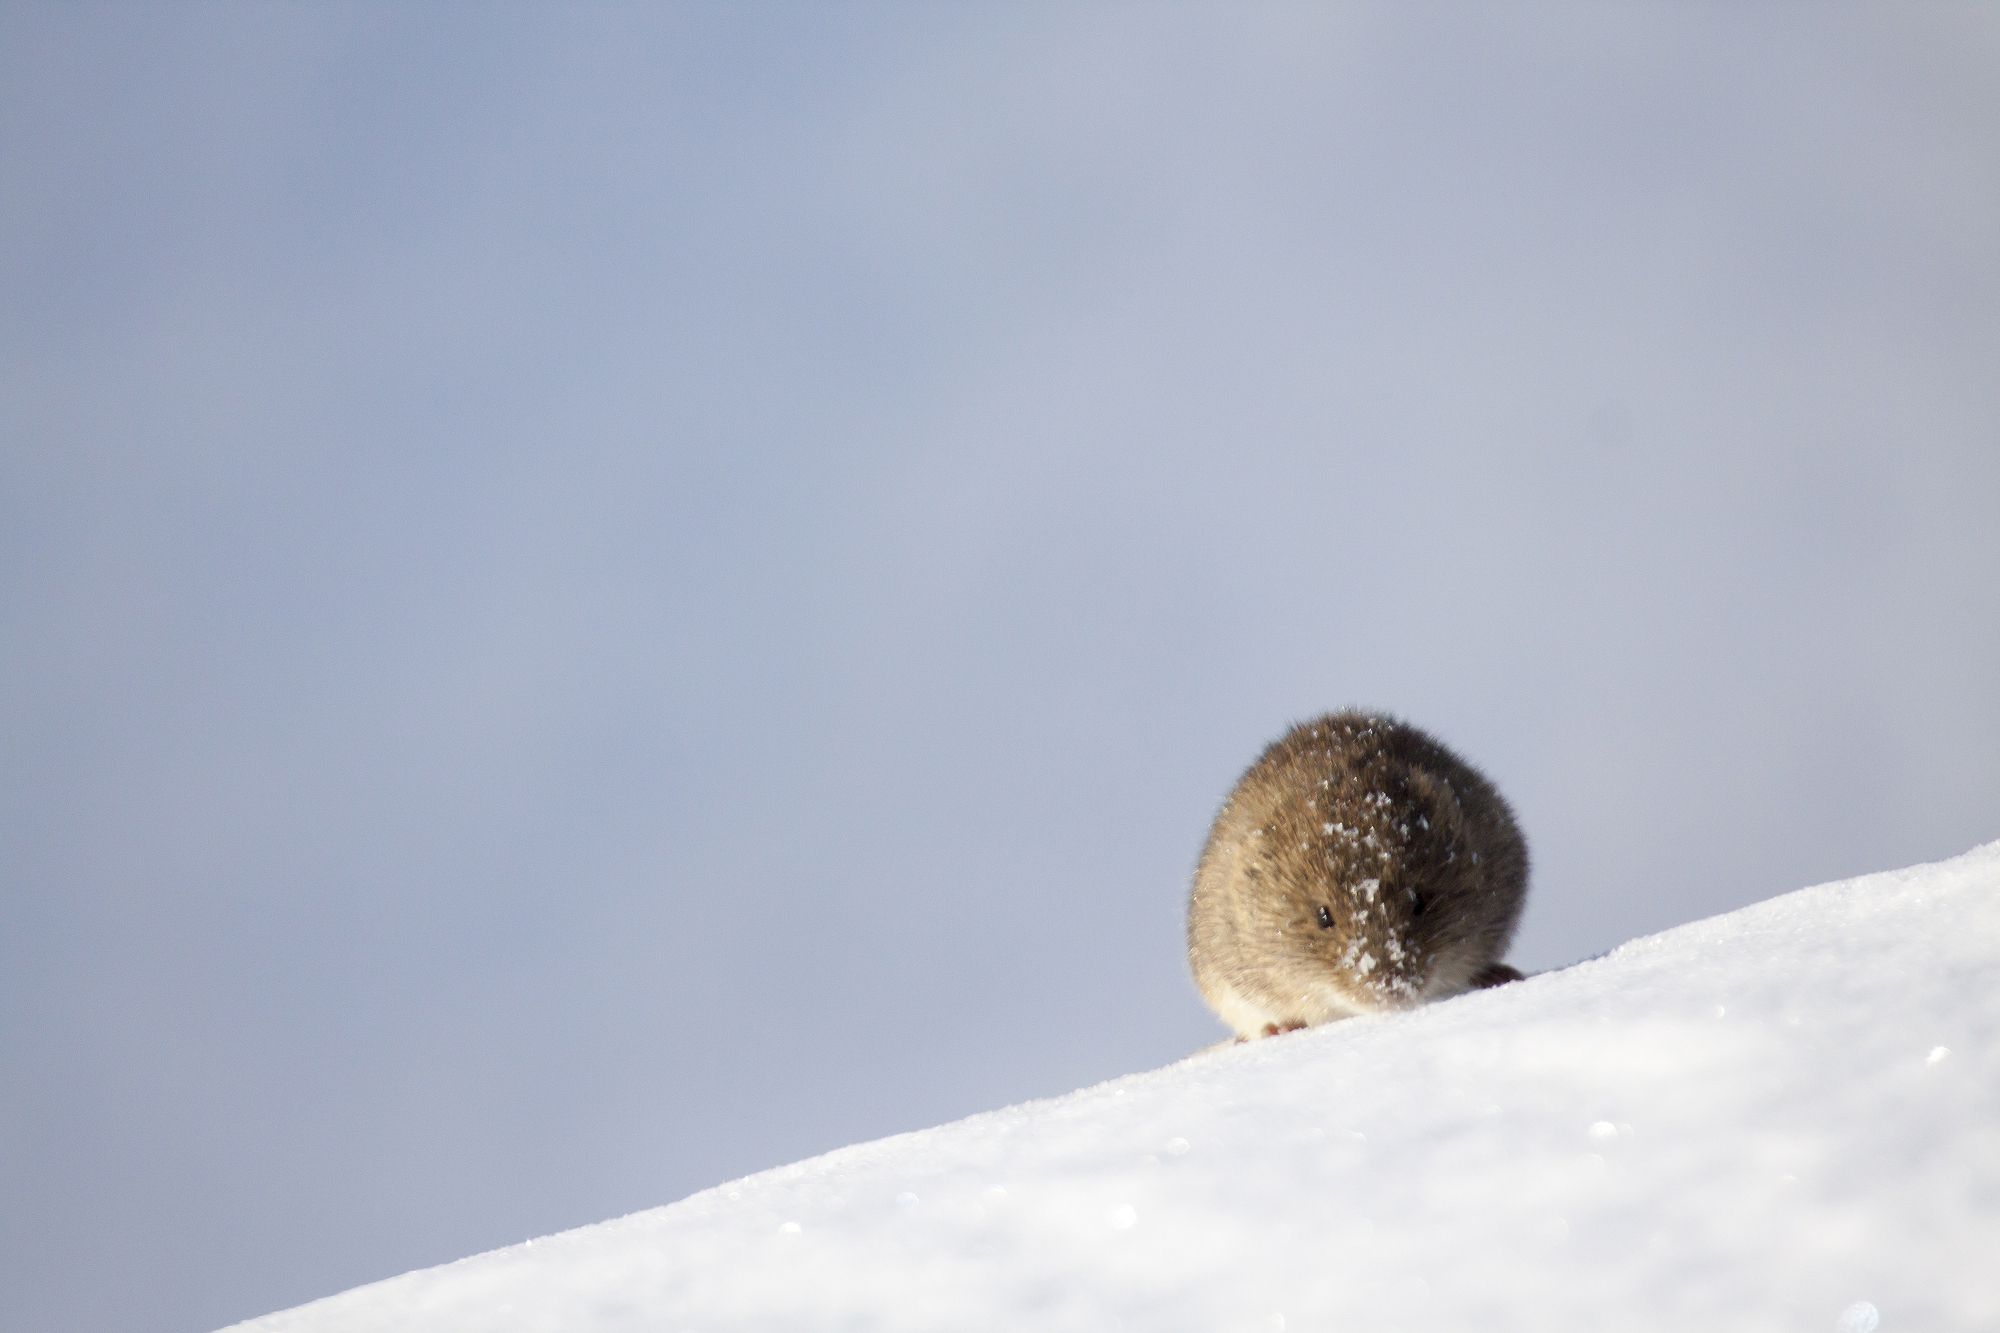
[{"x": 600, "y": 599}]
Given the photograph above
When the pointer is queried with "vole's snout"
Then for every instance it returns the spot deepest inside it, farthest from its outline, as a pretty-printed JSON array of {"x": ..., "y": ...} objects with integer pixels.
[
  {"x": 1383, "y": 962},
  {"x": 1400, "y": 985},
  {"x": 1384, "y": 970}
]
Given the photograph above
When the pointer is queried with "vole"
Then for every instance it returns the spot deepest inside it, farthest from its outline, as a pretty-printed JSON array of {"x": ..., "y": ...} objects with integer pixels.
[{"x": 1358, "y": 866}]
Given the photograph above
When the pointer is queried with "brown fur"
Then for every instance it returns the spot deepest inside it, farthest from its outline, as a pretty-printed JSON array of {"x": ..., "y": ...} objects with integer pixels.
[{"x": 1357, "y": 866}]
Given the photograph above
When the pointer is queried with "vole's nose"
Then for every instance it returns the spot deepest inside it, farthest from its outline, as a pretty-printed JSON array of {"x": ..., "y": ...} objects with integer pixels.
[{"x": 1394, "y": 973}]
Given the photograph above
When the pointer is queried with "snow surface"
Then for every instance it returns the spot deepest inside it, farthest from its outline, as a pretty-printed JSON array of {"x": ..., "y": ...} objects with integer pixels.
[{"x": 1783, "y": 1118}]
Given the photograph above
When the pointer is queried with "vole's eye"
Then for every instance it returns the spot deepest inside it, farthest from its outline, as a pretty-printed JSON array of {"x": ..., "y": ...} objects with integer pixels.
[
  {"x": 1416, "y": 904},
  {"x": 1326, "y": 918}
]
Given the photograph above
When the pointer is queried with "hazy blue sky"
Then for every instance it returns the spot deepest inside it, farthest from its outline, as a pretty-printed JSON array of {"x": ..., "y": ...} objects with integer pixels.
[{"x": 596, "y": 599}]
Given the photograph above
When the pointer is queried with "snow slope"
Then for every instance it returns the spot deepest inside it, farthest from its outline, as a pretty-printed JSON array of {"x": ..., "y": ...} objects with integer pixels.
[{"x": 1783, "y": 1118}]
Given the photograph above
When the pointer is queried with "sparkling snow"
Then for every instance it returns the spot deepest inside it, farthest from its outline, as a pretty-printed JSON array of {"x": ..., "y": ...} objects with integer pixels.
[{"x": 1783, "y": 1118}]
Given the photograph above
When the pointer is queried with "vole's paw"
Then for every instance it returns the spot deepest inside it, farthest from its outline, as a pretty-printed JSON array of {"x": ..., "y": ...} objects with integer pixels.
[{"x": 1496, "y": 974}]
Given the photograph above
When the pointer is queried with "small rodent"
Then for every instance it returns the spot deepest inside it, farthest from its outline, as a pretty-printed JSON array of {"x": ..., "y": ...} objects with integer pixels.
[{"x": 1357, "y": 866}]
